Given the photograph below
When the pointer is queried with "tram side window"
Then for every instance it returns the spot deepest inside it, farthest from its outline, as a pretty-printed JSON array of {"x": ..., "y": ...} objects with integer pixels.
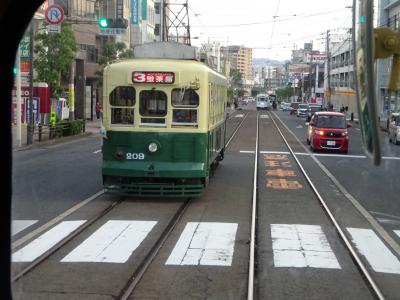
[
  {"x": 153, "y": 107},
  {"x": 122, "y": 99},
  {"x": 184, "y": 98}
]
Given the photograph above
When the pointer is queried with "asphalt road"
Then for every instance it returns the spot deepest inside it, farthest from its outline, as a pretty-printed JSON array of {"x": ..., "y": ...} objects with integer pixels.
[{"x": 299, "y": 254}]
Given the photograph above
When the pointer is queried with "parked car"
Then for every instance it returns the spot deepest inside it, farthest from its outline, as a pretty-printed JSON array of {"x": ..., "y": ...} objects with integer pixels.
[
  {"x": 328, "y": 131},
  {"x": 394, "y": 128},
  {"x": 302, "y": 110}
]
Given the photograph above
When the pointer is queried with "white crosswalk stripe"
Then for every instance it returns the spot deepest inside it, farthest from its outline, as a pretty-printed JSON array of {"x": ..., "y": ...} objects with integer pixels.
[
  {"x": 114, "y": 242},
  {"x": 300, "y": 246},
  {"x": 380, "y": 258},
  {"x": 44, "y": 242},
  {"x": 205, "y": 243},
  {"x": 19, "y": 225}
]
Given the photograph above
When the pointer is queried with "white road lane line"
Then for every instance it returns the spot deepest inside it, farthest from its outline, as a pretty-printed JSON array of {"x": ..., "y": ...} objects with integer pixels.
[
  {"x": 97, "y": 151},
  {"x": 205, "y": 243},
  {"x": 380, "y": 258},
  {"x": 57, "y": 219},
  {"x": 114, "y": 242},
  {"x": 264, "y": 116},
  {"x": 397, "y": 232},
  {"x": 239, "y": 116},
  {"x": 18, "y": 225},
  {"x": 44, "y": 242},
  {"x": 274, "y": 152},
  {"x": 301, "y": 246},
  {"x": 245, "y": 151}
]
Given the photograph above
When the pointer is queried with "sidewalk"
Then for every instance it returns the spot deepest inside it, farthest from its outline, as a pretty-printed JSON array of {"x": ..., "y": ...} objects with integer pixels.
[{"x": 91, "y": 127}]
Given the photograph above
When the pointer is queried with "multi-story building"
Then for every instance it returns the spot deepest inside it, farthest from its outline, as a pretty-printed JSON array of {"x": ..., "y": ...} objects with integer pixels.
[
  {"x": 341, "y": 76},
  {"x": 240, "y": 58},
  {"x": 210, "y": 54},
  {"x": 389, "y": 16},
  {"x": 143, "y": 20}
]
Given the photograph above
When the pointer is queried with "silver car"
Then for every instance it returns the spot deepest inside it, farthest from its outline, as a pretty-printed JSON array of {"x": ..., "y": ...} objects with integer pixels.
[{"x": 394, "y": 128}]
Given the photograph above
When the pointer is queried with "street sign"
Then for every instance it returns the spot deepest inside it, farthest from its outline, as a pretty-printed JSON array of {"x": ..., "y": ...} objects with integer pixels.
[
  {"x": 54, "y": 14},
  {"x": 54, "y": 28},
  {"x": 24, "y": 47},
  {"x": 112, "y": 31}
]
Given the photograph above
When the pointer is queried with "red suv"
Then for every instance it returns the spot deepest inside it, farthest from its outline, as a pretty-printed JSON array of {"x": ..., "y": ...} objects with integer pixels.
[{"x": 328, "y": 131}]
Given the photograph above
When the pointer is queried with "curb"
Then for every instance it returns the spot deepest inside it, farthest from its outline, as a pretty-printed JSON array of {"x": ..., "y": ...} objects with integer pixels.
[{"x": 56, "y": 141}]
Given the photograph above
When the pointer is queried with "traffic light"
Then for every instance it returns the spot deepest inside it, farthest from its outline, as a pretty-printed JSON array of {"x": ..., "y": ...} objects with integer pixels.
[
  {"x": 113, "y": 23},
  {"x": 104, "y": 23}
]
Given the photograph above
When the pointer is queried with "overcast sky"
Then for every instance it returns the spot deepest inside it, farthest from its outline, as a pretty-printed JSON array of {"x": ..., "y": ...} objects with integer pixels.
[{"x": 296, "y": 22}]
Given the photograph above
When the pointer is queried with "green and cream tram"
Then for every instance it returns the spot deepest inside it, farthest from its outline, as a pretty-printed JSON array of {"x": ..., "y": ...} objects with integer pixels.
[{"x": 164, "y": 122}]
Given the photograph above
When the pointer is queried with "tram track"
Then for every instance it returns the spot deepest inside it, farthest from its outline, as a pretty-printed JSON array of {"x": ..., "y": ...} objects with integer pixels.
[
  {"x": 134, "y": 279},
  {"x": 361, "y": 267}
]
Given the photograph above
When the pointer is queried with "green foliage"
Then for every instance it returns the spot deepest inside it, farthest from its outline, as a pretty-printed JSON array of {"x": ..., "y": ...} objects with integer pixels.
[
  {"x": 285, "y": 93},
  {"x": 113, "y": 51},
  {"x": 235, "y": 78},
  {"x": 67, "y": 128},
  {"x": 110, "y": 52},
  {"x": 54, "y": 54}
]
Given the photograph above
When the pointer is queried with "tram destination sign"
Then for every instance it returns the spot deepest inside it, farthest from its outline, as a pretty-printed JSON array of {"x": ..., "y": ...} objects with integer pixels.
[{"x": 153, "y": 77}]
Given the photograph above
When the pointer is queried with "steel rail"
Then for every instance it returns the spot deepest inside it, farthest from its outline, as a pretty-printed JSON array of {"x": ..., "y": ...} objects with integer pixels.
[
  {"x": 237, "y": 129},
  {"x": 250, "y": 288},
  {"x": 64, "y": 241},
  {"x": 360, "y": 265},
  {"x": 145, "y": 264}
]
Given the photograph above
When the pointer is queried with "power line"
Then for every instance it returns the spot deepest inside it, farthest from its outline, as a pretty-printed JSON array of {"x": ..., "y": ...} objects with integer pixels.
[
  {"x": 274, "y": 20},
  {"x": 273, "y": 24}
]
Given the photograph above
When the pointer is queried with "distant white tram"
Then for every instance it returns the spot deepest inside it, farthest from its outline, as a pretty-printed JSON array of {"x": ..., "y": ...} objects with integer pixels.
[{"x": 263, "y": 101}]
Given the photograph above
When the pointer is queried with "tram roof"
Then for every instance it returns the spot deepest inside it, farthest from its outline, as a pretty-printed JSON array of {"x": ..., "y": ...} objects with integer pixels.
[{"x": 161, "y": 65}]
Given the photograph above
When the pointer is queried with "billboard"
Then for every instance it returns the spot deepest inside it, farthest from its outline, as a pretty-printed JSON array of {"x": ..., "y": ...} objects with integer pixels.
[{"x": 135, "y": 11}]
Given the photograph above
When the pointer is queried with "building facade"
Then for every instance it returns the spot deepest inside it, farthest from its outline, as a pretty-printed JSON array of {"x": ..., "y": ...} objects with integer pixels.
[
  {"x": 388, "y": 16},
  {"x": 240, "y": 58},
  {"x": 341, "y": 76}
]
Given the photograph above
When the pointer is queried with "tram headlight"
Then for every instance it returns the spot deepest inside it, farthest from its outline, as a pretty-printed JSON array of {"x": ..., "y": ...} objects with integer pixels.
[{"x": 153, "y": 147}]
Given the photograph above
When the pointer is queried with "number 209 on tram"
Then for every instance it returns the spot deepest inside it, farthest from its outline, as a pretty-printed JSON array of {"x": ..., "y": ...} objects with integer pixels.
[{"x": 164, "y": 126}]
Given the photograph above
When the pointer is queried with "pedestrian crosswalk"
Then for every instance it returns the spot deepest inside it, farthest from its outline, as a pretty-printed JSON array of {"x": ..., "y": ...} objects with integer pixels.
[
  {"x": 19, "y": 225},
  {"x": 210, "y": 244}
]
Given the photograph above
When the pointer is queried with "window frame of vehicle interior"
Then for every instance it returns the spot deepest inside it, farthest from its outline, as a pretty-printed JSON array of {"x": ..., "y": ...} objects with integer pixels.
[
  {"x": 116, "y": 106},
  {"x": 147, "y": 119},
  {"x": 191, "y": 108}
]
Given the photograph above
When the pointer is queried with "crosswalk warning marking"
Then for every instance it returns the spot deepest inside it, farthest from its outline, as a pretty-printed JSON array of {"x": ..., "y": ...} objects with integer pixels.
[
  {"x": 44, "y": 242},
  {"x": 301, "y": 246},
  {"x": 276, "y": 157},
  {"x": 114, "y": 242},
  {"x": 380, "y": 258},
  {"x": 205, "y": 243},
  {"x": 280, "y": 173},
  {"x": 283, "y": 184},
  {"x": 19, "y": 225},
  {"x": 277, "y": 163}
]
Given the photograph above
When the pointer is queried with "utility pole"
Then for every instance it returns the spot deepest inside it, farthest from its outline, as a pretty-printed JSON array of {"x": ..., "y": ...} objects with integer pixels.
[
  {"x": 176, "y": 21},
  {"x": 71, "y": 92},
  {"x": 328, "y": 68},
  {"x": 19, "y": 100},
  {"x": 31, "y": 120}
]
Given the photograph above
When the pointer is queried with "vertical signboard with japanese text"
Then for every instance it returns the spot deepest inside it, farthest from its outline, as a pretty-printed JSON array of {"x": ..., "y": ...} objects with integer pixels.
[
  {"x": 134, "y": 11},
  {"x": 144, "y": 9}
]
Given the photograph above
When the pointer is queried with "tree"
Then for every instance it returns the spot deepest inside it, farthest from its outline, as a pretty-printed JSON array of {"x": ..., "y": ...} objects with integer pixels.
[
  {"x": 54, "y": 54},
  {"x": 235, "y": 78},
  {"x": 110, "y": 52}
]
